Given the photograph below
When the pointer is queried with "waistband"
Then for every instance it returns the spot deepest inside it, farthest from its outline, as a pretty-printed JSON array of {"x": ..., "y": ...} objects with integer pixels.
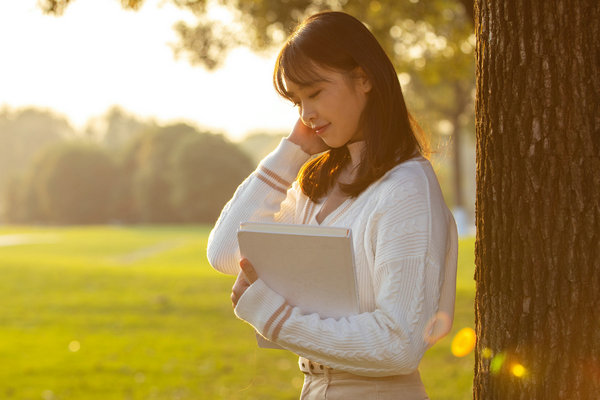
[
  {"x": 314, "y": 368},
  {"x": 311, "y": 367}
]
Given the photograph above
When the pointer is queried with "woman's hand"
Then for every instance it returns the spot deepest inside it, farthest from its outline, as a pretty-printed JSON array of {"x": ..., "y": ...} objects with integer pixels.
[
  {"x": 307, "y": 139},
  {"x": 245, "y": 278}
]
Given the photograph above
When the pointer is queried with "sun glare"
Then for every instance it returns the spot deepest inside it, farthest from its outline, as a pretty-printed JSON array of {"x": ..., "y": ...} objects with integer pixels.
[
  {"x": 463, "y": 342},
  {"x": 517, "y": 370}
]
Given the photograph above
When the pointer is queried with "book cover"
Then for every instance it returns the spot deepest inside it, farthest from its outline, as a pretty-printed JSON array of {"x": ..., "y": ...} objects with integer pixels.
[{"x": 311, "y": 266}]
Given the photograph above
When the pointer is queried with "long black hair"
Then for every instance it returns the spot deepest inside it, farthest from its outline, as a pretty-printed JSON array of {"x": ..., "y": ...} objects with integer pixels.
[{"x": 337, "y": 40}]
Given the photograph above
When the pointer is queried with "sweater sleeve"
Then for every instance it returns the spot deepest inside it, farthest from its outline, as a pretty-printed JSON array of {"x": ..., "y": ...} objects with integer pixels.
[
  {"x": 391, "y": 339},
  {"x": 266, "y": 195}
]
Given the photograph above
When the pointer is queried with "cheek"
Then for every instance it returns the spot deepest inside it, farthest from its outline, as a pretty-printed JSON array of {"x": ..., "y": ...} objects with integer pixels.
[{"x": 355, "y": 110}]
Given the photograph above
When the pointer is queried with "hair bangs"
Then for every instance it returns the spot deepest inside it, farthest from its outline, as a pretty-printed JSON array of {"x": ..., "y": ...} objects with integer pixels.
[{"x": 294, "y": 65}]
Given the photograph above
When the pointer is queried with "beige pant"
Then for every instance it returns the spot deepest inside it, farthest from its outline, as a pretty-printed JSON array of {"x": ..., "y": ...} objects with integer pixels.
[{"x": 322, "y": 383}]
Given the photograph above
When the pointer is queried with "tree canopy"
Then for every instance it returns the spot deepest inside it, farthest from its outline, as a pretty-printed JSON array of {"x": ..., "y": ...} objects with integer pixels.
[{"x": 415, "y": 33}]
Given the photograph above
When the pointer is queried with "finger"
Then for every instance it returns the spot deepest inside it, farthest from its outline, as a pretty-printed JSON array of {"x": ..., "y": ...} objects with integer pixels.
[
  {"x": 241, "y": 283},
  {"x": 249, "y": 271},
  {"x": 237, "y": 288}
]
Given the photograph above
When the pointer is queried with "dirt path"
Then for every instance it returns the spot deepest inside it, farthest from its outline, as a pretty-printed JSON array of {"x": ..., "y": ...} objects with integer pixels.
[
  {"x": 25, "y": 238},
  {"x": 146, "y": 252}
]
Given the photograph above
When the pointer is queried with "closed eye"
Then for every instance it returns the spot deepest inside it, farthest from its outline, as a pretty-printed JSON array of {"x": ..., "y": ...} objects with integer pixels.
[{"x": 312, "y": 96}]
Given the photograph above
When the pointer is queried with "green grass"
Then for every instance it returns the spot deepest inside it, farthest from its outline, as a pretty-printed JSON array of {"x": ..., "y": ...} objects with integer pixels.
[{"x": 137, "y": 313}]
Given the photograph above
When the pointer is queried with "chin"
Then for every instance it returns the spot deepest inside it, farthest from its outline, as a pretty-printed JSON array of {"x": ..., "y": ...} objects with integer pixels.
[{"x": 335, "y": 144}]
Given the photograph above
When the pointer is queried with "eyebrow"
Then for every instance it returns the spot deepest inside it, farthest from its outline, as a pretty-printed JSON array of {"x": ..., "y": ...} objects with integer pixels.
[{"x": 307, "y": 85}]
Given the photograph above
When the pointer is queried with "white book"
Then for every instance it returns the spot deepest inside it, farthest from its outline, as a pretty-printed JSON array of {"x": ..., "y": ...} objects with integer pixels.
[{"x": 311, "y": 266}]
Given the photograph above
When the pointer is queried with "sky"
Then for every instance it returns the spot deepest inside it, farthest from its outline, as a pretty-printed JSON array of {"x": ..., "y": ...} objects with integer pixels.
[{"x": 97, "y": 55}]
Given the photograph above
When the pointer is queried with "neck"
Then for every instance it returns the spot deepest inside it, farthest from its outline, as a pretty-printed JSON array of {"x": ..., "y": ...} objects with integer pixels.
[
  {"x": 356, "y": 149},
  {"x": 349, "y": 172}
]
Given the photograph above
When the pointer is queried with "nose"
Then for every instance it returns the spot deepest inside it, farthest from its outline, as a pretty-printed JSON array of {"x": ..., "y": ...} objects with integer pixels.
[{"x": 307, "y": 114}]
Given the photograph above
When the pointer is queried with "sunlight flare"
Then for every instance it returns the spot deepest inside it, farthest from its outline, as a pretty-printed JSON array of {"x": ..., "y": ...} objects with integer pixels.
[
  {"x": 486, "y": 352},
  {"x": 497, "y": 362},
  {"x": 463, "y": 342},
  {"x": 517, "y": 370}
]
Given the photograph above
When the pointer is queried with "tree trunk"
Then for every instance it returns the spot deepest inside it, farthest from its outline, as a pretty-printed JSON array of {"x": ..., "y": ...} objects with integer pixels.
[{"x": 538, "y": 193}]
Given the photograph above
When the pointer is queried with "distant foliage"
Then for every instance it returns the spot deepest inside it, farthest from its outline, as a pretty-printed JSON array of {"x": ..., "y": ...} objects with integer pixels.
[
  {"x": 124, "y": 207},
  {"x": 168, "y": 174},
  {"x": 116, "y": 128},
  {"x": 74, "y": 184},
  {"x": 20, "y": 203},
  {"x": 24, "y": 134},
  {"x": 205, "y": 171},
  {"x": 151, "y": 183},
  {"x": 258, "y": 145}
]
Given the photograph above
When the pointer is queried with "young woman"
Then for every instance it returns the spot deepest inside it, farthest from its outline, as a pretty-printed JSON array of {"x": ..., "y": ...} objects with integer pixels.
[{"x": 369, "y": 174}]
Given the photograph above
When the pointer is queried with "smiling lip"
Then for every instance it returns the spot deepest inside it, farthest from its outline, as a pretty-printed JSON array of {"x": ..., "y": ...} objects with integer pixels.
[{"x": 319, "y": 130}]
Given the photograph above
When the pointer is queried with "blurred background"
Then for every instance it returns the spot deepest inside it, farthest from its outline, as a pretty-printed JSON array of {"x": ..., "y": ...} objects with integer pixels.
[{"x": 125, "y": 126}]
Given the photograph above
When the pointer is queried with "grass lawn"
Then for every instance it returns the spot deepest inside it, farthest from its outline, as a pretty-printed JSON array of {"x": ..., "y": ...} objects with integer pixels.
[{"x": 137, "y": 313}]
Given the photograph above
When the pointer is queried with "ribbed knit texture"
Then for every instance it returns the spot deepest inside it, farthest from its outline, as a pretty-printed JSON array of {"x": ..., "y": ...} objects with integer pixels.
[{"x": 405, "y": 247}]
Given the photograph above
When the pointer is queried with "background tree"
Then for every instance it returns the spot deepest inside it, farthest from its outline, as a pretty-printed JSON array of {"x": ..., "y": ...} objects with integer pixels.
[
  {"x": 73, "y": 183},
  {"x": 205, "y": 169},
  {"x": 116, "y": 128},
  {"x": 538, "y": 209},
  {"x": 20, "y": 202},
  {"x": 152, "y": 180},
  {"x": 258, "y": 145},
  {"x": 125, "y": 208},
  {"x": 23, "y": 134}
]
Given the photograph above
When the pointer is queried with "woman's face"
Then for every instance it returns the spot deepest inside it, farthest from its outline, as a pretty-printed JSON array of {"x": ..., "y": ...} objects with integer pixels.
[{"x": 333, "y": 105}]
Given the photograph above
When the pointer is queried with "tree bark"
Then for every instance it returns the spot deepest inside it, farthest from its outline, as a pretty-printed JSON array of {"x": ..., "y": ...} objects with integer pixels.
[{"x": 538, "y": 192}]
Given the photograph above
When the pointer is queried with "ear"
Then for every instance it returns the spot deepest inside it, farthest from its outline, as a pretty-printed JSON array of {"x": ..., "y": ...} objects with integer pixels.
[{"x": 362, "y": 80}]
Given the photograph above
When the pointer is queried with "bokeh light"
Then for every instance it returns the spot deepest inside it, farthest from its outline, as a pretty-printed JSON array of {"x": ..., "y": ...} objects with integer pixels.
[
  {"x": 74, "y": 346},
  {"x": 48, "y": 395},
  {"x": 497, "y": 362},
  {"x": 517, "y": 370},
  {"x": 486, "y": 352},
  {"x": 463, "y": 342},
  {"x": 139, "y": 377}
]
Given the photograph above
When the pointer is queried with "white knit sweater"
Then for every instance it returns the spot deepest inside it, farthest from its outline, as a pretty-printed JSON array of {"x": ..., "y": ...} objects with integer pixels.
[{"x": 405, "y": 245}]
